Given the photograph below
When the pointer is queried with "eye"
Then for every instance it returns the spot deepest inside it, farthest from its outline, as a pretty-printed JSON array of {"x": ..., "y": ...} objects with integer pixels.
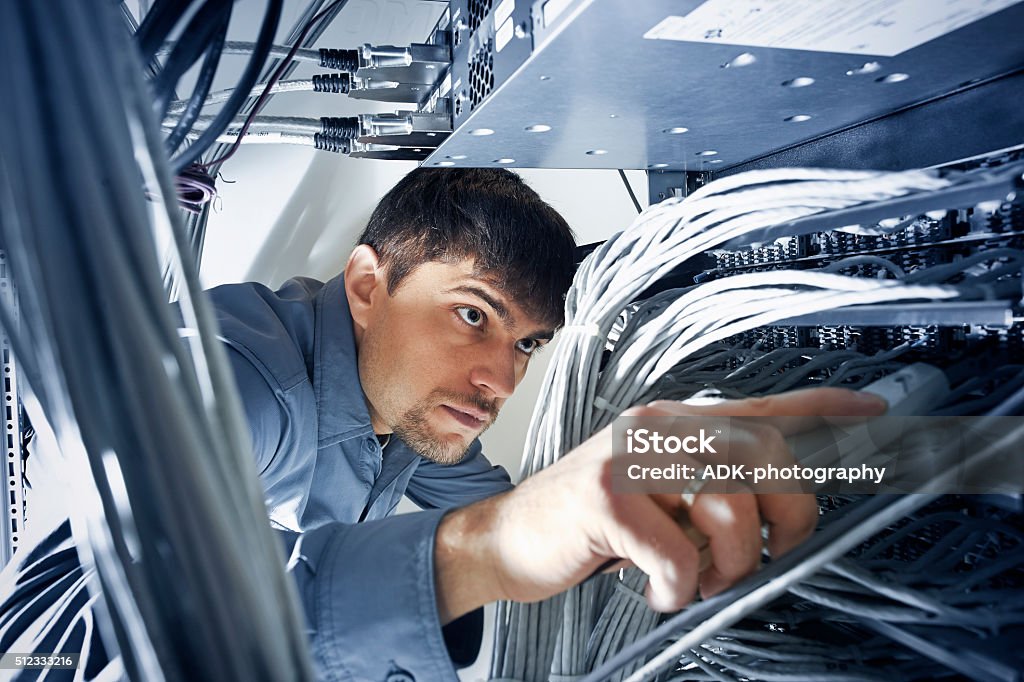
[
  {"x": 470, "y": 315},
  {"x": 528, "y": 346}
]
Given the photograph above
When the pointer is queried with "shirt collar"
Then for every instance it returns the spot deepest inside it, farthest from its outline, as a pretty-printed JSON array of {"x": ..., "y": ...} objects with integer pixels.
[{"x": 341, "y": 403}]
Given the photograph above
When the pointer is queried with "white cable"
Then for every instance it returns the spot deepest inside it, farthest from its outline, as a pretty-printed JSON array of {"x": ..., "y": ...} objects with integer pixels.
[
  {"x": 301, "y": 54},
  {"x": 270, "y": 137},
  {"x": 288, "y": 124},
  {"x": 266, "y": 134},
  {"x": 664, "y": 233},
  {"x": 303, "y": 85},
  {"x": 244, "y": 47}
]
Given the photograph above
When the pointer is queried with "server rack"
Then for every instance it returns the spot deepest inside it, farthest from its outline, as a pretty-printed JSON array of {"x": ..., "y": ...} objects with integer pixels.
[{"x": 605, "y": 84}]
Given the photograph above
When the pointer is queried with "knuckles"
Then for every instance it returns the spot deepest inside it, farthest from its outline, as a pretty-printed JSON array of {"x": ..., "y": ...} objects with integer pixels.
[
  {"x": 770, "y": 445},
  {"x": 761, "y": 406}
]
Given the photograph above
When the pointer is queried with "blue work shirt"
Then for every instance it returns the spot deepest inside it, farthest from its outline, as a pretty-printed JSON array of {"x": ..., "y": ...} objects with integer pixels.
[{"x": 366, "y": 581}]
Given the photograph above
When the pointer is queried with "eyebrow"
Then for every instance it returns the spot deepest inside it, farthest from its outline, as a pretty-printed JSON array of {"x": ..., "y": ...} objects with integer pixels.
[{"x": 500, "y": 308}]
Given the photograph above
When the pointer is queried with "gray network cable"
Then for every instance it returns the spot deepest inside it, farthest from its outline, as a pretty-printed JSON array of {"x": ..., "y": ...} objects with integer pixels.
[{"x": 671, "y": 334}]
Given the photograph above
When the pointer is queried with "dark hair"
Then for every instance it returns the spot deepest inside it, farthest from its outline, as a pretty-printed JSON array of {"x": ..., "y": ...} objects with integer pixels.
[{"x": 488, "y": 214}]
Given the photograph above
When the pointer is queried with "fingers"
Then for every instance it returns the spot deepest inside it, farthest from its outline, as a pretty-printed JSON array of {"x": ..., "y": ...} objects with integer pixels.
[
  {"x": 733, "y": 527},
  {"x": 790, "y": 412},
  {"x": 791, "y": 520},
  {"x": 648, "y": 537},
  {"x": 732, "y": 522},
  {"x": 678, "y": 507},
  {"x": 726, "y": 529}
]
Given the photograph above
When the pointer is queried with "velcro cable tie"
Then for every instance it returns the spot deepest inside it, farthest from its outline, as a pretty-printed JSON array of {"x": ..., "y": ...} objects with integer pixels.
[{"x": 602, "y": 404}]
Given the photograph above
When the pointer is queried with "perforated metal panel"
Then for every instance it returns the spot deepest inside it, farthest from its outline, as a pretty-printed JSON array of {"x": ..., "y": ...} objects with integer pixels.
[
  {"x": 14, "y": 486},
  {"x": 477, "y": 10},
  {"x": 481, "y": 73},
  {"x": 580, "y": 86}
]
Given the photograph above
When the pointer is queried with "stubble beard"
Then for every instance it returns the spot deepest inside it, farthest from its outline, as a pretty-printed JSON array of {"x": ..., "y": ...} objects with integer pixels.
[{"x": 414, "y": 427}]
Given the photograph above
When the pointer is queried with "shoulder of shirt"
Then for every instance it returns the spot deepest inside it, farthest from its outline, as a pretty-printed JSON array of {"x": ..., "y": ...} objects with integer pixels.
[{"x": 273, "y": 330}]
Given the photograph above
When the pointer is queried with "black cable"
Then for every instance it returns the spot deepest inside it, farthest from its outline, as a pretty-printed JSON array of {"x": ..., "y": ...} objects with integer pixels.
[
  {"x": 196, "y": 224},
  {"x": 342, "y": 127},
  {"x": 338, "y": 145},
  {"x": 284, "y": 65},
  {"x": 110, "y": 365},
  {"x": 157, "y": 25},
  {"x": 300, "y": 34},
  {"x": 28, "y": 432},
  {"x": 202, "y": 88},
  {"x": 245, "y": 84},
  {"x": 204, "y": 25},
  {"x": 195, "y": 188},
  {"x": 629, "y": 188}
]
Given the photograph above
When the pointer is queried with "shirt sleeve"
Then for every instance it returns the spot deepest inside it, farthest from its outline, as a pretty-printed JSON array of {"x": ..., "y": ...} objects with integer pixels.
[
  {"x": 438, "y": 486},
  {"x": 370, "y": 602},
  {"x": 264, "y": 414},
  {"x": 285, "y": 469}
]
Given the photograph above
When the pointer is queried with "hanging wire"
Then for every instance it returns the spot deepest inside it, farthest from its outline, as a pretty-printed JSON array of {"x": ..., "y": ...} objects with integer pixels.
[{"x": 150, "y": 429}]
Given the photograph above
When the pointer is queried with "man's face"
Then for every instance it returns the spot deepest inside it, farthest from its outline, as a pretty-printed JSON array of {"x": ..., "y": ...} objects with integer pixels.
[{"x": 439, "y": 357}]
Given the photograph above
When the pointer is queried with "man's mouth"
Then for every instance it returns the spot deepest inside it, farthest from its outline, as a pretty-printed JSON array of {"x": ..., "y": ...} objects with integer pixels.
[{"x": 469, "y": 417}]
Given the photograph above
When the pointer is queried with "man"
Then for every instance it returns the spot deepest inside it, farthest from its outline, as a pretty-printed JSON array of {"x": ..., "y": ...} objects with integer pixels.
[{"x": 377, "y": 384}]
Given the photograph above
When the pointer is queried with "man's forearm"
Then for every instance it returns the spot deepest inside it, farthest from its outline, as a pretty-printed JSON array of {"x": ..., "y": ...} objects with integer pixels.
[
  {"x": 465, "y": 573},
  {"x": 560, "y": 525}
]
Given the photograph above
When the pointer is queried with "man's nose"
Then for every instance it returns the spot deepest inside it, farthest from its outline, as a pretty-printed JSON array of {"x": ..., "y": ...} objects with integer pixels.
[{"x": 495, "y": 374}]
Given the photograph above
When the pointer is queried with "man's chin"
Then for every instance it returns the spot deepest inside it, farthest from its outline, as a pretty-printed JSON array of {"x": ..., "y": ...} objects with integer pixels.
[
  {"x": 444, "y": 455},
  {"x": 446, "y": 449},
  {"x": 439, "y": 436}
]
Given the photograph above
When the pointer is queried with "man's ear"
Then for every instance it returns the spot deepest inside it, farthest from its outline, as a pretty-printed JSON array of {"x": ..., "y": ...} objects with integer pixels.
[{"x": 364, "y": 282}]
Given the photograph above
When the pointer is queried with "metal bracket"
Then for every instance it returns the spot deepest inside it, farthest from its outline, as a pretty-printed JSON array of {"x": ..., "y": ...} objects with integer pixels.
[
  {"x": 13, "y": 525},
  {"x": 663, "y": 185}
]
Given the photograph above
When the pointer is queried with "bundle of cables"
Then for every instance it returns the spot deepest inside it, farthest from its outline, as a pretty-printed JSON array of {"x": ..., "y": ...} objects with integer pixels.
[
  {"x": 203, "y": 37},
  {"x": 736, "y": 372},
  {"x": 175, "y": 36},
  {"x": 934, "y": 581},
  {"x": 587, "y": 386},
  {"x": 167, "y": 568}
]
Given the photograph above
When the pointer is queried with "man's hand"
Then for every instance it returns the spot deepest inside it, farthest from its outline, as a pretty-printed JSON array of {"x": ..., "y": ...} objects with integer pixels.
[{"x": 557, "y": 527}]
